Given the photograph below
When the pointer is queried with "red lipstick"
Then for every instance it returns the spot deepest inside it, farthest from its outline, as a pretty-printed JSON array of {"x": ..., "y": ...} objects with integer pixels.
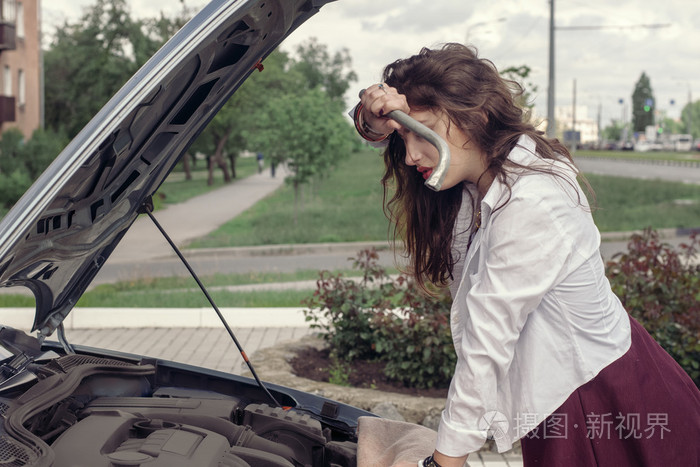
[{"x": 425, "y": 171}]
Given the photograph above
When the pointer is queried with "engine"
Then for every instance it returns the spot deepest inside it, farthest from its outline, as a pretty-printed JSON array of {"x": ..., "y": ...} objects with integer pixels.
[{"x": 78, "y": 410}]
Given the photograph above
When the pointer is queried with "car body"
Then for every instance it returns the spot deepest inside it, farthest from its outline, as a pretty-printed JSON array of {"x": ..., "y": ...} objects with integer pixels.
[
  {"x": 627, "y": 146},
  {"x": 644, "y": 146},
  {"x": 66, "y": 405}
]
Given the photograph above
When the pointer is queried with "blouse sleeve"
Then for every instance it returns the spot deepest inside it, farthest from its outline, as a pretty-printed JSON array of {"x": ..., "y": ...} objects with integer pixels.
[{"x": 525, "y": 252}]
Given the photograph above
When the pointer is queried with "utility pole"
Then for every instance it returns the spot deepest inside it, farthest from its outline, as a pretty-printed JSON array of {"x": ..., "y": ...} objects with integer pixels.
[
  {"x": 573, "y": 123},
  {"x": 600, "y": 134},
  {"x": 551, "y": 123},
  {"x": 690, "y": 112}
]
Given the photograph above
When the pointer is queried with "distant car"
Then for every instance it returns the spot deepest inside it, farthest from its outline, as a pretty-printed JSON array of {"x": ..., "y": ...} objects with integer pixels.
[
  {"x": 65, "y": 405},
  {"x": 628, "y": 146},
  {"x": 696, "y": 144},
  {"x": 643, "y": 146},
  {"x": 681, "y": 143}
]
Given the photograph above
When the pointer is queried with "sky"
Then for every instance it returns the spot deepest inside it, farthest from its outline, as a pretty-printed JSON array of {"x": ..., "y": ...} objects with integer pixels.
[{"x": 605, "y": 59}]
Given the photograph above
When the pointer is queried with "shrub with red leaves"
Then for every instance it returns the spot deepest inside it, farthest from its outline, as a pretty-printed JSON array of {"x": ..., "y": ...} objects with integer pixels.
[
  {"x": 660, "y": 287},
  {"x": 384, "y": 318}
]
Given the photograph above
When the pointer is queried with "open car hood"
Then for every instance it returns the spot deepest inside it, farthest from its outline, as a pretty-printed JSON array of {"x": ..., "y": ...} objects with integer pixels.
[{"x": 59, "y": 234}]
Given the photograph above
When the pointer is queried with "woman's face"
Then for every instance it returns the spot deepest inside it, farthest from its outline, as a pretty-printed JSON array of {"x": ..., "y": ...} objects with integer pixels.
[{"x": 467, "y": 162}]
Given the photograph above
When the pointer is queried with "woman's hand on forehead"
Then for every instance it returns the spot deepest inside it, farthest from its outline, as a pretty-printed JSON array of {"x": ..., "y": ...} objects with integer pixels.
[{"x": 377, "y": 101}]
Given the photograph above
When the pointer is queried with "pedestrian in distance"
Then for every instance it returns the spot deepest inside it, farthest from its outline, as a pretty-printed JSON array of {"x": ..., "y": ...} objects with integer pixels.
[
  {"x": 546, "y": 353},
  {"x": 261, "y": 162}
]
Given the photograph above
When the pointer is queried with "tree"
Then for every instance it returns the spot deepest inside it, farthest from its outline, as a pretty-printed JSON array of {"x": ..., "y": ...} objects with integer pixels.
[
  {"x": 224, "y": 137},
  {"x": 520, "y": 74},
  {"x": 305, "y": 131},
  {"x": 690, "y": 118},
  {"x": 21, "y": 162},
  {"x": 670, "y": 126},
  {"x": 332, "y": 74},
  {"x": 315, "y": 68},
  {"x": 89, "y": 60},
  {"x": 613, "y": 132},
  {"x": 643, "y": 104}
]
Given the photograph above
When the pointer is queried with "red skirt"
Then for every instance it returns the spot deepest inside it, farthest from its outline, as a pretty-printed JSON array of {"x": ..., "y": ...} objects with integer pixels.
[{"x": 641, "y": 410}]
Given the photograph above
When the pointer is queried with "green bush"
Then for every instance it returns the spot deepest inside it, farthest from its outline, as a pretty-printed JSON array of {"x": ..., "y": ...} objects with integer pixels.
[
  {"x": 660, "y": 287},
  {"x": 382, "y": 318},
  {"x": 12, "y": 187},
  {"x": 415, "y": 340},
  {"x": 21, "y": 162}
]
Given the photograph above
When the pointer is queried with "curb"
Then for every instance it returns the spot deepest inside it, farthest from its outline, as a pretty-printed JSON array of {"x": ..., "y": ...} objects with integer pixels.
[
  {"x": 663, "y": 233},
  {"x": 113, "y": 318},
  {"x": 287, "y": 249},
  {"x": 640, "y": 160},
  {"x": 354, "y": 247}
]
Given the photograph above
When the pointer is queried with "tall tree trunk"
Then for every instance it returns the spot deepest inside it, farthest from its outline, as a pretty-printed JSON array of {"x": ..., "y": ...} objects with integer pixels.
[
  {"x": 186, "y": 166},
  {"x": 232, "y": 160},
  {"x": 218, "y": 159},
  {"x": 296, "y": 201},
  {"x": 210, "y": 168}
]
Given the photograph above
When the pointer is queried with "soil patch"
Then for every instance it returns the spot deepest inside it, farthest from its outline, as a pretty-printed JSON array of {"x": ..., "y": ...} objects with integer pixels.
[{"x": 315, "y": 364}]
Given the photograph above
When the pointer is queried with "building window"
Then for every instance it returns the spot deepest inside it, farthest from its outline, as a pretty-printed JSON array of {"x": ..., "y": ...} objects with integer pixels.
[
  {"x": 8, "y": 11},
  {"x": 20, "y": 20},
  {"x": 6, "y": 81},
  {"x": 21, "y": 89}
]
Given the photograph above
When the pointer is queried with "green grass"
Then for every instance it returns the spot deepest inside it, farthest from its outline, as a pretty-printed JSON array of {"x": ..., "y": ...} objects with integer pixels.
[
  {"x": 104, "y": 297},
  {"x": 176, "y": 189},
  {"x": 192, "y": 299},
  {"x": 629, "y": 204},
  {"x": 183, "y": 292},
  {"x": 346, "y": 207},
  {"x": 215, "y": 280}
]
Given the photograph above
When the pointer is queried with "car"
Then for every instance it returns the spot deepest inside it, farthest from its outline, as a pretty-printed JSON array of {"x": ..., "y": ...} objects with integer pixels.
[
  {"x": 644, "y": 146},
  {"x": 69, "y": 405}
]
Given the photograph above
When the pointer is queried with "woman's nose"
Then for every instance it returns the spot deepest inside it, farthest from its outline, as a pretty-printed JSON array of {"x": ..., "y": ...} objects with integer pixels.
[{"x": 411, "y": 156}]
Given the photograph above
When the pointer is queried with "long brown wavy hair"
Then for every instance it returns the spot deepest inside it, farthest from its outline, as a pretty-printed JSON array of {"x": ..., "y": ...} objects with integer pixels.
[{"x": 454, "y": 80}]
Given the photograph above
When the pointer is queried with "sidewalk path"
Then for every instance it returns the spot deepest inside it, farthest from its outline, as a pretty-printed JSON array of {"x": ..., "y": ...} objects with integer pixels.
[{"x": 193, "y": 218}]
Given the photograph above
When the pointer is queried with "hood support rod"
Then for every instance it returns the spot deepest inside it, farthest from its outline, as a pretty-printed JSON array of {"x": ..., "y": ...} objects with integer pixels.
[{"x": 147, "y": 208}]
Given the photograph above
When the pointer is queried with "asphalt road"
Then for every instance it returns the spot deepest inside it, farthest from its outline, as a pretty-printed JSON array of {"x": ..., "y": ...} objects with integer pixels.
[
  {"x": 227, "y": 264},
  {"x": 651, "y": 170}
]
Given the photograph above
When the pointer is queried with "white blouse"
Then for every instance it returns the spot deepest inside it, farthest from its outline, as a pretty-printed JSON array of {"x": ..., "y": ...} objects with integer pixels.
[{"x": 533, "y": 316}]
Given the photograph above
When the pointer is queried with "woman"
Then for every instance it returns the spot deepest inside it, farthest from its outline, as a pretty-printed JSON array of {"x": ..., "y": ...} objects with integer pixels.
[{"x": 545, "y": 350}]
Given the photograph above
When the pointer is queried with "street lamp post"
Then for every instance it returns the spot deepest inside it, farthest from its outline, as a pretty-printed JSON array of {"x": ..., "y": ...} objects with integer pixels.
[{"x": 551, "y": 123}]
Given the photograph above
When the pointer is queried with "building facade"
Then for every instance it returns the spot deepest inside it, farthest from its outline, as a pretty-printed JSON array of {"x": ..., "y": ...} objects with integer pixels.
[
  {"x": 20, "y": 66},
  {"x": 587, "y": 127}
]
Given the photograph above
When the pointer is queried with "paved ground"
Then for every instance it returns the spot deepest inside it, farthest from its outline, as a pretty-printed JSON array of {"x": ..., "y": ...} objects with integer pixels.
[{"x": 193, "y": 218}]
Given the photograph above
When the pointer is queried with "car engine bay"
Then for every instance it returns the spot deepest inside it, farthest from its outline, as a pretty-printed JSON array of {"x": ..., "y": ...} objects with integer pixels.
[{"x": 80, "y": 409}]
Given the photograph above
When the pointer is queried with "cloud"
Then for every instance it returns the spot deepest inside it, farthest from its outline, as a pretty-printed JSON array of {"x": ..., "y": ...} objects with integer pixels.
[{"x": 605, "y": 62}]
